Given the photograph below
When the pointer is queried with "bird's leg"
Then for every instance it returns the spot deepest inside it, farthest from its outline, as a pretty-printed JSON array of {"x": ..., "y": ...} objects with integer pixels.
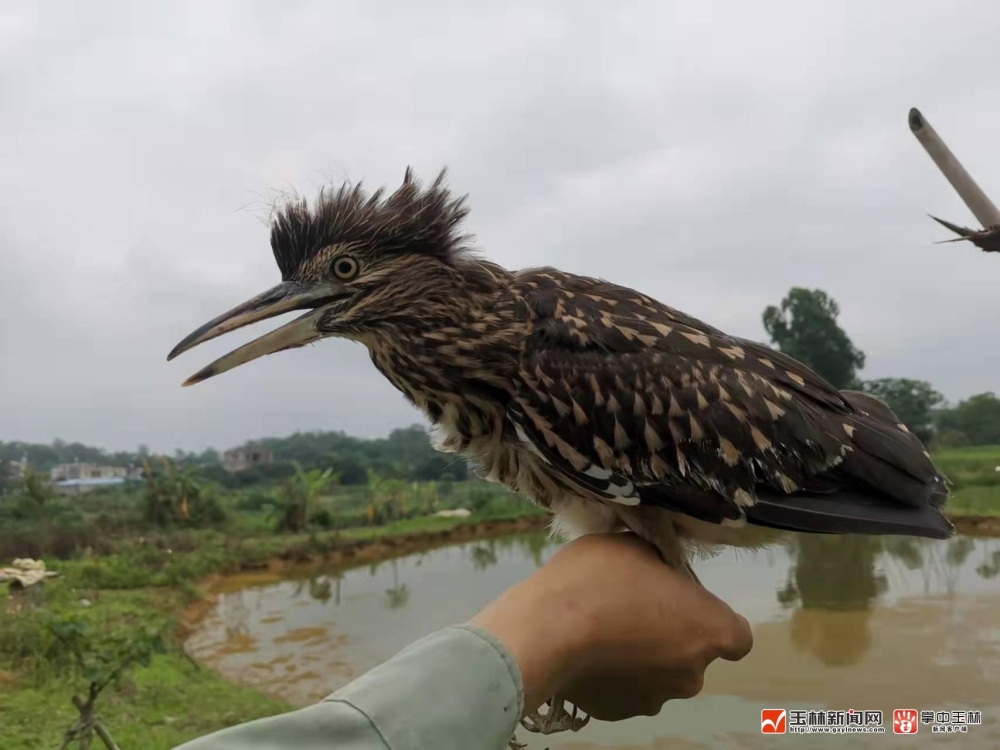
[{"x": 556, "y": 719}]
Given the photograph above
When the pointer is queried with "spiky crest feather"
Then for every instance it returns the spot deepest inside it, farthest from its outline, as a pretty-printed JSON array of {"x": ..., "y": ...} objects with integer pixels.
[{"x": 411, "y": 219}]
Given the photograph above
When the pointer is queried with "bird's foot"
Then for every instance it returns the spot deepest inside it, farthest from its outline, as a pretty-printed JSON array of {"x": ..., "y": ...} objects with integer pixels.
[
  {"x": 515, "y": 745},
  {"x": 556, "y": 719}
]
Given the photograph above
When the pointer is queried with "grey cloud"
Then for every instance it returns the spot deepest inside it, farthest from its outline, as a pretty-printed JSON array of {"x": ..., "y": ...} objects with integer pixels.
[{"x": 710, "y": 155}]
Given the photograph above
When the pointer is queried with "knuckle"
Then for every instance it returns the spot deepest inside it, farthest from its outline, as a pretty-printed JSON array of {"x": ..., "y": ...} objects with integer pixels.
[
  {"x": 693, "y": 685},
  {"x": 735, "y": 641},
  {"x": 652, "y": 708}
]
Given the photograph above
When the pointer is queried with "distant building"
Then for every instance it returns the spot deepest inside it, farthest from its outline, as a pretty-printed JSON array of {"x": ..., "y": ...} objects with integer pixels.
[
  {"x": 18, "y": 469},
  {"x": 241, "y": 459},
  {"x": 77, "y": 470},
  {"x": 81, "y": 486}
]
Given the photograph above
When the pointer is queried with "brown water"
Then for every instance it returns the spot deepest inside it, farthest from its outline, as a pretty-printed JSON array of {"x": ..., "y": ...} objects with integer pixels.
[{"x": 839, "y": 623}]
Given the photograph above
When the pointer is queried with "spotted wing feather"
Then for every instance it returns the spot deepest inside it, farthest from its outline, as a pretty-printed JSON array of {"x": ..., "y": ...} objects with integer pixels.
[{"x": 617, "y": 389}]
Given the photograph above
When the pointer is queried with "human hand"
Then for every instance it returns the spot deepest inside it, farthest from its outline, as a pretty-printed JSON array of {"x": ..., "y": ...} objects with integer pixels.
[{"x": 609, "y": 627}]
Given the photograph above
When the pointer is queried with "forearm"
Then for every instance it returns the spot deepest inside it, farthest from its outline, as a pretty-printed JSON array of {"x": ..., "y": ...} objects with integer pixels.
[{"x": 456, "y": 689}]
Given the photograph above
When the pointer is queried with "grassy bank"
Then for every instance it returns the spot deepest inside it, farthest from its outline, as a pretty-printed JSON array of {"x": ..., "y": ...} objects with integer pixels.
[
  {"x": 975, "y": 480},
  {"x": 153, "y": 584},
  {"x": 159, "y": 707}
]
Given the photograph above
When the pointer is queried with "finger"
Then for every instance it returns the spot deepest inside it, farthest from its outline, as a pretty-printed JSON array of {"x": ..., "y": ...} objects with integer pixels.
[
  {"x": 740, "y": 642},
  {"x": 733, "y": 638},
  {"x": 688, "y": 687},
  {"x": 610, "y": 702},
  {"x": 729, "y": 633}
]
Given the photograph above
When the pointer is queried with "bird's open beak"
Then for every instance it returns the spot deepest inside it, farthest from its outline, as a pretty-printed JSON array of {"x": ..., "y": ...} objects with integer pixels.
[{"x": 283, "y": 298}]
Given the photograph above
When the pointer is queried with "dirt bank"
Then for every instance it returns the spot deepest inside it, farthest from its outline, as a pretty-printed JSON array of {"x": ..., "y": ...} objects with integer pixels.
[{"x": 977, "y": 525}]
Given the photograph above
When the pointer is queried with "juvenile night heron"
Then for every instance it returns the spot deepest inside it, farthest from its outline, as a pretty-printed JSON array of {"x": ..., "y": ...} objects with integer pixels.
[{"x": 599, "y": 403}]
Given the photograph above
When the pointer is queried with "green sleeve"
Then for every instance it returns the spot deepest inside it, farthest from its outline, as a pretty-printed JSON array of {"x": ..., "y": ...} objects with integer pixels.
[{"x": 456, "y": 689}]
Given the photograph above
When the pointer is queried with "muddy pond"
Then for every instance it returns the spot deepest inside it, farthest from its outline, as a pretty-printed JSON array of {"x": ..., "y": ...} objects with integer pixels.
[{"x": 840, "y": 623}]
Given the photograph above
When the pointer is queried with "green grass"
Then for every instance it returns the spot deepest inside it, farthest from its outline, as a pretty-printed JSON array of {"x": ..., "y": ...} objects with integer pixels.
[
  {"x": 975, "y": 466},
  {"x": 975, "y": 501},
  {"x": 508, "y": 511},
  {"x": 157, "y": 707},
  {"x": 975, "y": 480},
  {"x": 179, "y": 559},
  {"x": 166, "y": 704}
]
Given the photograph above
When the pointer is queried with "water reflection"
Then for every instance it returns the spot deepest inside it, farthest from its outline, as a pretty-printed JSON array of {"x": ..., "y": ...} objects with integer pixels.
[
  {"x": 484, "y": 555},
  {"x": 398, "y": 595},
  {"x": 530, "y": 546},
  {"x": 990, "y": 566},
  {"x": 319, "y": 589},
  {"x": 837, "y": 621},
  {"x": 906, "y": 550},
  {"x": 829, "y": 576}
]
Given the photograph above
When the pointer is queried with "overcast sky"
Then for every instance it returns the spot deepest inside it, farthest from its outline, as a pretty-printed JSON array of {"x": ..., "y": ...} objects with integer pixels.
[{"x": 709, "y": 154}]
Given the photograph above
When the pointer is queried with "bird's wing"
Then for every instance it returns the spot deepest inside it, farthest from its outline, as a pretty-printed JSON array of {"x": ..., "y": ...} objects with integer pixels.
[{"x": 636, "y": 402}]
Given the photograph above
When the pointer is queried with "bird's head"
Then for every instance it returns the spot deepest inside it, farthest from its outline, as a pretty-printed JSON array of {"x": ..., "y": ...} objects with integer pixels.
[{"x": 360, "y": 263}]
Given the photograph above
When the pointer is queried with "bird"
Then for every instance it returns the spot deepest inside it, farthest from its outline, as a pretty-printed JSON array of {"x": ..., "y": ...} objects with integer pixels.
[
  {"x": 987, "y": 240},
  {"x": 606, "y": 407}
]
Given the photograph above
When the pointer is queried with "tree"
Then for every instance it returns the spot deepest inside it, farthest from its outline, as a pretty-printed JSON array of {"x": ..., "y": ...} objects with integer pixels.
[
  {"x": 300, "y": 494},
  {"x": 428, "y": 491},
  {"x": 101, "y": 658},
  {"x": 386, "y": 498},
  {"x": 209, "y": 457},
  {"x": 174, "y": 495},
  {"x": 351, "y": 469},
  {"x": 35, "y": 495},
  {"x": 975, "y": 421},
  {"x": 6, "y": 476},
  {"x": 913, "y": 401},
  {"x": 805, "y": 327}
]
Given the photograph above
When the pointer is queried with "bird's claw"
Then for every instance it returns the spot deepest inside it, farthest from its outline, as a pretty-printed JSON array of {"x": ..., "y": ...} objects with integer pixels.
[{"x": 556, "y": 719}]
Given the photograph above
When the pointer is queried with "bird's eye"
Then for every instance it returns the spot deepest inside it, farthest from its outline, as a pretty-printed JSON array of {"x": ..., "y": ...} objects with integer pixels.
[{"x": 345, "y": 267}]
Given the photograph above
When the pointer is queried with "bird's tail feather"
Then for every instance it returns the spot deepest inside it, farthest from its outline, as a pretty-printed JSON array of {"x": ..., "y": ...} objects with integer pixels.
[
  {"x": 886, "y": 484},
  {"x": 848, "y": 512},
  {"x": 886, "y": 454}
]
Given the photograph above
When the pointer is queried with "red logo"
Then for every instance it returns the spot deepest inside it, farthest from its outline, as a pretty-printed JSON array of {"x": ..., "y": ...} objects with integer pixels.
[
  {"x": 772, "y": 720},
  {"x": 904, "y": 721}
]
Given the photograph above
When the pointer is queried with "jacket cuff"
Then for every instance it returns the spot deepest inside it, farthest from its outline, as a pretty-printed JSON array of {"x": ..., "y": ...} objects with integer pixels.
[{"x": 456, "y": 688}]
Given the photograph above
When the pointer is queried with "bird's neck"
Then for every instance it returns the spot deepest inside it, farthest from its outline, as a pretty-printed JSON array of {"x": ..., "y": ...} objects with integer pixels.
[{"x": 454, "y": 364}]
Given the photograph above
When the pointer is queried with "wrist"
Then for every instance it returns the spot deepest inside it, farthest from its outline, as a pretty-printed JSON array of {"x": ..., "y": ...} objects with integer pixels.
[{"x": 542, "y": 634}]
